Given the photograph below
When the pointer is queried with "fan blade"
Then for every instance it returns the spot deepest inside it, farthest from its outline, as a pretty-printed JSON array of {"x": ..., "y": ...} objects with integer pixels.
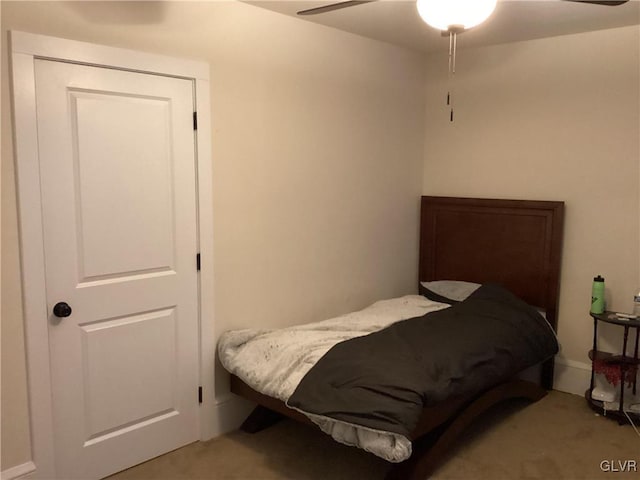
[
  {"x": 352, "y": 3},
  {"x": 332, "y": 7},
  {"x": 608, "y": 3}
]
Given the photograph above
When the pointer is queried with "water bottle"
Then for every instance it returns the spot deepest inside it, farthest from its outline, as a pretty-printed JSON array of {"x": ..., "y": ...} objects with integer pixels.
[
  {"x": 636, "y": 304},
  {"x": 597, "y": 295}
]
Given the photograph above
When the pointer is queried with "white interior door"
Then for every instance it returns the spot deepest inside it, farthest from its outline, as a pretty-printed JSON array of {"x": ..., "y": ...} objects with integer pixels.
[{"x": 117, "y": 165}]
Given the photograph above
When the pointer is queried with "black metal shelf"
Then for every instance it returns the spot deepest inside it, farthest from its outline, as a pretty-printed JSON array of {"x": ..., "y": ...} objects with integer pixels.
[
  {"x": 626, "y": 364},
  {"x": 611, "y": 359}
]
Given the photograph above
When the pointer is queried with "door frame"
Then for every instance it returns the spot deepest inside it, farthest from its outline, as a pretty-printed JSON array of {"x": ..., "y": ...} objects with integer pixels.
[{"x": 25, "y": 49}]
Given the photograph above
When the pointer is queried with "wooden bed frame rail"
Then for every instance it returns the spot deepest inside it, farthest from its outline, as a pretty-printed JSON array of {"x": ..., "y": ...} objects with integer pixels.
[{"x": 437, "y": 430}]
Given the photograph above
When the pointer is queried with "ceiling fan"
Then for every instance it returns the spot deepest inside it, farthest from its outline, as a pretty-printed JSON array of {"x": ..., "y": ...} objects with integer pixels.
[
  {"x": 450, "y": 17},
  {"x": 352, "y": 3}
]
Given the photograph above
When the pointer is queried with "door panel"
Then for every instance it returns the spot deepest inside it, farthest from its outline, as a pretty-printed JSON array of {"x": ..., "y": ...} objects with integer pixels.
[
  {"x": 113, "y": 237},
  {"x": 117, "y": 163},
  {"x": 111, "y": 381}
]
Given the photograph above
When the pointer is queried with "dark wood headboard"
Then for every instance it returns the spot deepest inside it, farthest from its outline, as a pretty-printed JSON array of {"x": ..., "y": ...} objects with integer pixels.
[{"x": 516, "y": 243}]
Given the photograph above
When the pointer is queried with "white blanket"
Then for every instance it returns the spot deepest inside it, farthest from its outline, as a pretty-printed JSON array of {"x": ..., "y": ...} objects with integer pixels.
[{"x": 273, "y": 362}]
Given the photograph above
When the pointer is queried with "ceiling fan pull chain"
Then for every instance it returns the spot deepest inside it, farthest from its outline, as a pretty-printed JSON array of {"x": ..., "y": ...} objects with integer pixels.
[
  {"x": 450, "y": 64},
  {"x": 450, "y": 52},
  {"x": 449, "y": 70},
  {"x": 452, "y": 69}
]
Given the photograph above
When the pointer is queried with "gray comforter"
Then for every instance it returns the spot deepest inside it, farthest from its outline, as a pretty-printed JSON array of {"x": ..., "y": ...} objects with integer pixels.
[{"x": 383, "y": 380}]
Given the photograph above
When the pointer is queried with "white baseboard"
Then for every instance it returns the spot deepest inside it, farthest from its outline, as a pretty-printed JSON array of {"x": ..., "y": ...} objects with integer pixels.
[
  {"x": 227, "y": 414},
  {"x": 232, "y": 410},
  {"x": 571, "y": 377},
  {"x": 19, "y": 471}
]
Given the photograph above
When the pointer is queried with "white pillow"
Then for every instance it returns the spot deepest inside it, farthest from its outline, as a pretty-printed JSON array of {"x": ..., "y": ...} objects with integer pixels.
[{"x": 453, "y": 289}]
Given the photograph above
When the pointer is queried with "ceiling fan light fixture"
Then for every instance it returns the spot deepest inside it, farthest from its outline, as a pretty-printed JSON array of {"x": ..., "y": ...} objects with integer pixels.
[{"x": 455, "y": 14}]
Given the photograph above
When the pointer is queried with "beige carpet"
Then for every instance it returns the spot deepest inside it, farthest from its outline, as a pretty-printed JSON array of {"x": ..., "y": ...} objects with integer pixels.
[{"x": 558, "y": 437}]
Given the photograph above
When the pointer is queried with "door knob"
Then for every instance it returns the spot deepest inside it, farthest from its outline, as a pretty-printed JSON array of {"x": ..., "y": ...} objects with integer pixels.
[{"x": 62, "y": 309}]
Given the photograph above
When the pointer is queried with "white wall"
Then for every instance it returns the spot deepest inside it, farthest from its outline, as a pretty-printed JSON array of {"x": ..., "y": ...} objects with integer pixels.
[
  {"x": 551, "y": 119},
  {"x": 317, "y": 151}
]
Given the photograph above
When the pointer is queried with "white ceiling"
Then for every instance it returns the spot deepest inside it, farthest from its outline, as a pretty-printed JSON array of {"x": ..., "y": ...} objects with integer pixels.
[{"x": 397, "y": 21}]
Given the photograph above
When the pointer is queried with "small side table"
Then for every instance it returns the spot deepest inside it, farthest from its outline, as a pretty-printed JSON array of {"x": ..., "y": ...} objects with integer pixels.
[{"x": 624, "y": 362}]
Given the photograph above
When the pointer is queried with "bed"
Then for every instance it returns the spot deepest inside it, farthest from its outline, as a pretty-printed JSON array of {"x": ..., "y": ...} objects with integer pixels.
[{"x": 510, "y": 247}]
